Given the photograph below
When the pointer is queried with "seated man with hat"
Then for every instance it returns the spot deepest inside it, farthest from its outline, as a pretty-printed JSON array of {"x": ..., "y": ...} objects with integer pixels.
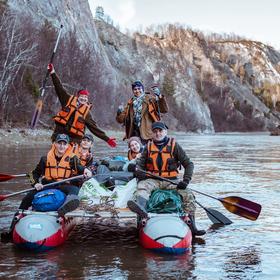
[
  {"x": 162, "y": 156},
  {"x": 60, "y": 163}
]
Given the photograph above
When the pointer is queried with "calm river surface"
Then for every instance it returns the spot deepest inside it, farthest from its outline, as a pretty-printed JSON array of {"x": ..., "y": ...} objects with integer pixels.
[{"x": 246, "y": 165}]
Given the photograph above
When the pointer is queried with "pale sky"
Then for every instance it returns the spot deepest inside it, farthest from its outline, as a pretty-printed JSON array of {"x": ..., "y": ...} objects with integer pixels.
[{"x": 254, "y": 19}]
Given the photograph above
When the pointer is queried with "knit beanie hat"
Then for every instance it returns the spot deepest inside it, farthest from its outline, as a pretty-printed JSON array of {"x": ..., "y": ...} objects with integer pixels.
[
  {"x": 134, "y": 138},
  {"x": 83, "y": 92},
  {"x": 137, "y": 84}
]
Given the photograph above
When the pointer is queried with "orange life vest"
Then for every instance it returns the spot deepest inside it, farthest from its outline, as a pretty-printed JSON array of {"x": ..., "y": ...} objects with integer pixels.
[
  {"x": 58, "y": 170},
  {"x": 78, "y": 125},
  {"x": 131, "y": 155},
  {"x": 84, "y": 158},
  {"x": 169, "y": 166}
]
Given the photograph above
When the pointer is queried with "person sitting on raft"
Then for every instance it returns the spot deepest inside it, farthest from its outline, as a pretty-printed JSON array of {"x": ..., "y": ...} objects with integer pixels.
[
  {"x": 85, "y": 153},
  {"x": 59, "y": 164},
  {"x": 135, "y": 148},
  {"x": 162, "y": 156}
]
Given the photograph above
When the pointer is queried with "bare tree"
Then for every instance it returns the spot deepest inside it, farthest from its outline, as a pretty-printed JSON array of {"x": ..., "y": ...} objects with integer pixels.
[{"x": 15, "y": 51}]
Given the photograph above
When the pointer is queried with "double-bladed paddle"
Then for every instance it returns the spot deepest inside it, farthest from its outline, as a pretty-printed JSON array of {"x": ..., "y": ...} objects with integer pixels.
[
  {"x": 215, "y": 216},
  {"x": 7, "y": 177},
  {"x": 39, "y": 104},
  {"x": 234, "y": 204},
  {"x": 4, "y": 196}
]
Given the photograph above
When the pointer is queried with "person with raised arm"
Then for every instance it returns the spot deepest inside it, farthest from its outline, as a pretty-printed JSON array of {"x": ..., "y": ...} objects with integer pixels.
[
  {"x": 141, "y": 111},
  {"x": 75, "y": 115}
]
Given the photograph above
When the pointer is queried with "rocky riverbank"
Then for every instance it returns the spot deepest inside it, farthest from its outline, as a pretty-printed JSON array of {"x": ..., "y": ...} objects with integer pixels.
[
  {"x": 20, "y": 136},
  {"x": 26, "y": 137}
]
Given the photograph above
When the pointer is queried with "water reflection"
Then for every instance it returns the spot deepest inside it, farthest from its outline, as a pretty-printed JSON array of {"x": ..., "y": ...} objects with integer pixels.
[
  {"x": 242, "y": 165},
  {"x": 244, "y": 263}
]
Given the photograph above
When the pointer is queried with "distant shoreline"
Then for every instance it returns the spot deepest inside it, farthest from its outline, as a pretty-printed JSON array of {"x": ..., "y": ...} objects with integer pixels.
[
  {"x": 11, "y": 137},
  {"x": 39, "y": 137}
]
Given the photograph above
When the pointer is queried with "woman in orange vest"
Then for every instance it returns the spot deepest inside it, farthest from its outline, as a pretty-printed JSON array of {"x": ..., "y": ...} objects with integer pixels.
[
  {"x": 75, "y": 115},
  {"x": 141, "y": 111},
  {"x": 135, "y": 148}
]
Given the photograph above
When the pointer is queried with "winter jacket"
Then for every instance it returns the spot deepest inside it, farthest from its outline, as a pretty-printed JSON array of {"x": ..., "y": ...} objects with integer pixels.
[{"x": 126, "y": 117}]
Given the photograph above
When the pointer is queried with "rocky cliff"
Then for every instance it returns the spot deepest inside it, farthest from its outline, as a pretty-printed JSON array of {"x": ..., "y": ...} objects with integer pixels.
[
  {"x": 211, "y": 83},
  {"x": 217, "y": 84}
]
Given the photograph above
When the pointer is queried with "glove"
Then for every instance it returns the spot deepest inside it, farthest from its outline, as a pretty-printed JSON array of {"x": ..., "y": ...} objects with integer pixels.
[
  {"x": 182, "y": 185},
  {"x": 87, "y": 173},
  {"x": 156, "y": 91},
  {"x": 38, "y": 186},
  {"x": 140, "y": 175},
  {"x": 112, "y": 142},
  {"x": 131, "y": 167},
  {"x": 120, "y": 109},
  {"x": 51, "y": 68}
]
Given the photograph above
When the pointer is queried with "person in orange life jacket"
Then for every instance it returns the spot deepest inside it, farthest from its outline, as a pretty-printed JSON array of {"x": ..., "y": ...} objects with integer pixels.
[
  {"x": 85, "y": 153},
  {"x": 141, "y": 111},
  {"x": 135, "y": 148},
  {"x": 162, "y": 156},
  {"x": 59, "y": 164},
  {"x": 75, "y": 114}
]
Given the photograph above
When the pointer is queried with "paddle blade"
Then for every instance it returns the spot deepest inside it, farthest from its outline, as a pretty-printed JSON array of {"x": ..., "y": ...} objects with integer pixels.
[
  {"x": 37, "y": 113},
  {"x": 5, "y": 177},
  {"x": 242, "y": 207},
  {"x": 2, "y": 197},
  {"x": 217, "y": 217}
]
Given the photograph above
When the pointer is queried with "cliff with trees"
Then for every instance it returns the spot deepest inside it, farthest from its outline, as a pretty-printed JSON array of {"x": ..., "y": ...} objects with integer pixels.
[{"x": 213, "y": 82}]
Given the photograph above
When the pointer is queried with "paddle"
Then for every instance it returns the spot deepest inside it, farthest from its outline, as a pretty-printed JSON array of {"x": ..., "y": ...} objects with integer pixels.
[
  {"x": 215, "y": 216},
  {"x": 39, "y": 104},
  {"x": 4, "y": 196},
  {"x": 234, "y": 204},
  {"x": 7, "y": 177}
]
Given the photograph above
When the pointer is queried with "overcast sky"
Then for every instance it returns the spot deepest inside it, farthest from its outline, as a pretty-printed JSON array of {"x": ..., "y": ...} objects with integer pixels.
[{"x": 254, "y": 19}]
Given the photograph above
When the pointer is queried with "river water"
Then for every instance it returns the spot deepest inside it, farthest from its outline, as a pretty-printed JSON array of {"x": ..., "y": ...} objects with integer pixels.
[{"x": 245, "y": 165}]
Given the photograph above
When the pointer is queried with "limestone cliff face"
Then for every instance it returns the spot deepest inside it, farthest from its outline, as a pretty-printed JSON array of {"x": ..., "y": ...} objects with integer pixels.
[
  {"x": 217, "y": 85},
  {"x": 211, "y": 85}
]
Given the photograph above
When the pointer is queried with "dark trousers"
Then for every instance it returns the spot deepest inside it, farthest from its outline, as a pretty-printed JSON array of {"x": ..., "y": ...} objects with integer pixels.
[{"x": 67, "y": 189}]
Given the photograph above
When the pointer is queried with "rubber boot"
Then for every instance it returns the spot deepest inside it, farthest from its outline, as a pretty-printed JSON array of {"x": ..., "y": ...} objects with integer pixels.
[
  {"x": 71, "y": 203},
  {"x": 8, "y": 235},
  {"x": 194, "y": 230},
  {"x": 138, "y": 207}
]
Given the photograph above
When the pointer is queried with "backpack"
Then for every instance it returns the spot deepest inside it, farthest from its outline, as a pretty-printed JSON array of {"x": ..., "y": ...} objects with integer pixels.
[
  {"x": 48, "y": 200},
  {"x": 165, "y": 201}
]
